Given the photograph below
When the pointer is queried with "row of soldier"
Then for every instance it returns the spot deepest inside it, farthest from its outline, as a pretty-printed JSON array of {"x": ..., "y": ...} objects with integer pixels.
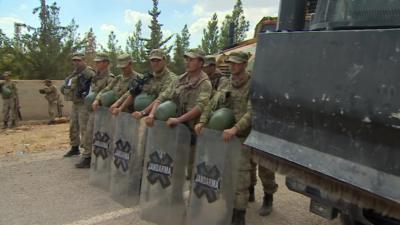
[{"x": 197, "y": 93}]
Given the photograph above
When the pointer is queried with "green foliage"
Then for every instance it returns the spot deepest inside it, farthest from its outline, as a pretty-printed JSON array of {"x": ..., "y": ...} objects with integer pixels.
[
  {"x": 135, "y": 46},
  {"x": 113, "y": 50},
  {"x": 181, "y": 46},
  {"x": 236, "y": 24},
  {"x": 209, "y": 42}
]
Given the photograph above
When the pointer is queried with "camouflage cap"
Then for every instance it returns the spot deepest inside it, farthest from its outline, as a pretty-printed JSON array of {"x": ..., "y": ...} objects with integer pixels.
[
  {"x": 7, "y": 74},
  {"x": 195, "y": 53},
  {"x": 78, "y": 56},
  {"x": 209, "y": 60},
  {"x": 101, "y": 56},
  {"x": 238, "y": 57},
  {"x": 124, "y": 60},
  {"x": 47, "y": 81},
  {"x": 157, "y": 54}
]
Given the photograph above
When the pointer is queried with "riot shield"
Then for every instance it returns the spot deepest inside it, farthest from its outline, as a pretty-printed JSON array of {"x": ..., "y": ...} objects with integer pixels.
[
  {"x": 127, "y": 162},
  {"x": 164, "y": 182},
  {"x": 213, "y": 180},
  {"x": 103, "y": 132}
]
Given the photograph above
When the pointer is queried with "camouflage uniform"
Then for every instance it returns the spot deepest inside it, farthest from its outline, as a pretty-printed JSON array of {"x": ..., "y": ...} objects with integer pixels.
[
  {"x": 99, "y": 81},
  {"x": 266, "y": 176},
  {"x": 217, "y": 79},
  {"x": 79, "y": 111},
  {"x": 238, "y": 101},
  {"x": 188, "y": 95},
  {"x": 52, "y": 96},
  {"x": 10, "y": 102}
]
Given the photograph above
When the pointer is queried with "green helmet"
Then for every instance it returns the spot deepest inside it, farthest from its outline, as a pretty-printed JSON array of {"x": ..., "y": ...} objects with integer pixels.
[
  {"x": 108, "y": 98},
  {"x": 89, "y": 99},
  {"x": 6, "y": 91},
  {"x": 222, "y": 119},
  {"x": 166, "y": 110},
  {"x": 142, "y": 101}
]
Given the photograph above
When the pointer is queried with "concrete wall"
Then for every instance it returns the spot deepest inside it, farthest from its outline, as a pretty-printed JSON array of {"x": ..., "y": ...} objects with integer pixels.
[{"x": 33, "y": 104}]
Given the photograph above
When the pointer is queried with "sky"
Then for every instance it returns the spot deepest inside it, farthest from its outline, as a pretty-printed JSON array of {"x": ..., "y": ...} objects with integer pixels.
[{"x": 120, "y": 16}]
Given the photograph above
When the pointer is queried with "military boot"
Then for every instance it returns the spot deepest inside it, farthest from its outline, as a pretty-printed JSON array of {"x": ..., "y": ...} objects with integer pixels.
[
  {"x": 74, "y": 151},
  {"x": 252, "y": 197},
  {"x": 51, "y": 122},
  {"x": 5, "y": 125},
  {"x": 240, "y": 217},
  {"x": 13, "y": 124},
  {"x": 84, "y": 163},
  {"x": 234, "y": 216},
  {"x": 266, "y": 207}
]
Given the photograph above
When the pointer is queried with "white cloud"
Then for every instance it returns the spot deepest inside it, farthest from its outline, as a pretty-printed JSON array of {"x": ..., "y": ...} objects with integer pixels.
[
  {"x": 132, "y": 17},
  {"x": 108, "y": 27},
  {"x": 7, "y": 25}
]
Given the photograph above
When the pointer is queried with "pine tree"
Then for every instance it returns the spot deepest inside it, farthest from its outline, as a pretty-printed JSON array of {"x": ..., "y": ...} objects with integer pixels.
[
  {"x": 209, "y": 42},
  {"x": 235, "y": 25},
  {"x": 156, "y": 36},
  {"x": 135, "y": 47},
  {"x": 90, "y": 47},
  {"x": 185, "y": 36},
  {"x": 113, "y": 50}
]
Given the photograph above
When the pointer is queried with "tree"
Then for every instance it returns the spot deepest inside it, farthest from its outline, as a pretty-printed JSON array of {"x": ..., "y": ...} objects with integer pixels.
[
  {"x": 156, "y": 36},
  {"x": 113, "y": 50},
  {"x": 90, "y": 47},
  {"x": 181, "y": 46},
  {"x": 135, "y": 47},
  {"x": 209, "y": 42},
  {"x": 234, "y": 27},
  {"x": 44, "y": 52}
]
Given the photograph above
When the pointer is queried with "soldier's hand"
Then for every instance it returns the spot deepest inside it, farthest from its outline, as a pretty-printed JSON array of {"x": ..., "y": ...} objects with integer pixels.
[
  {"x": 137, "y": 115},
  {"x": 229, "y": 133},
  {"x": 149, "y": 120},
  {"x": 171, "y": 122},
  {"x": 113, "y": 106},
  {"x": 199, "y": 128},
  {"x": 116, "y": 111},
  {"x": 95, "y": 104}
]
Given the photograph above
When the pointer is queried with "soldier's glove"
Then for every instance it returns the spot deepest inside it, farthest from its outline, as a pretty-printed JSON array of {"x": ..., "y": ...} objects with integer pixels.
[
  {"x": 83, "y": 86},
  {"x": 136, "y": 85}
]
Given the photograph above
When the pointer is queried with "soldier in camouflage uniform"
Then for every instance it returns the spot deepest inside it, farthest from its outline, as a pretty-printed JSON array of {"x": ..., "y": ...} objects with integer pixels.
[
  {"x": 218, "y": 81},
  {"x": 75, "y": 89},
  {"x": 162, "y": 77},
  {"x": 267, "y": 178},
  {"x": 100, "y": 80},
  {"x": 9, "y": 94},
  {"x": 235, "y": 95},
  {"x": 52, "y": 96},
  {"x": 191, "y": 93}
]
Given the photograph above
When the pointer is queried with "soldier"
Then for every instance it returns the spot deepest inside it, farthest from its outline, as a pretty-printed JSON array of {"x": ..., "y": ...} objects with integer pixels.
[
  {"x": 9, "y": 93},
  {"x": 52, "y": 96},
  {"x": 267, "y": 178},
  {"x": 162, "y": 77},
  {"x": 75, "y": 89},
  {"x": 218, "y": 81},
  {"x": 100, "y": 80},
  {"x": 235, "y": 96},
  {"x": 191, "y": 93}
]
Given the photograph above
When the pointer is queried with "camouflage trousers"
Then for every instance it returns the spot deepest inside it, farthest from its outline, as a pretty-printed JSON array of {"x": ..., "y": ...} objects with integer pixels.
[
  {"x": 77, "y": 123},
  {"x": 266, "y": 176},
  {"x": 88, "y": 138},
  {"x": 9, "y": 110},
  {"x": 52, "y": 107},
  {"x": 243, "y": 179}
]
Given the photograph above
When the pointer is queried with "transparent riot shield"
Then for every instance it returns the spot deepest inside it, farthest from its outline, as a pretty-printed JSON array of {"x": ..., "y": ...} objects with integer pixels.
[
  {"x": 127, "y": 161},
  {"x": 103, "y": 132},
  {"x": 164, "y": 191},
  {"x": 213, "y": 180}
]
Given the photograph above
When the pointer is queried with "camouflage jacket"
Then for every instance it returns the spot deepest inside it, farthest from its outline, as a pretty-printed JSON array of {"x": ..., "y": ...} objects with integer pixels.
[
  {"x": 101, "y": 81},
  {"x": 188, "y": 95},
  {"x": 235, "y": 98},
  {"x": 120, "y": 85},
  {"x": 158, "y": 83},
  {"x": 12, "y": 86},
  {"x": 218, "y": 81},
  {"x": 51, "y": 93},
  {"x": 70, "y": 88}
]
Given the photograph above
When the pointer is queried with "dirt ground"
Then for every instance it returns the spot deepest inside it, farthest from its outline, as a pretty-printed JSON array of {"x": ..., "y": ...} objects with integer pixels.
[{"x": 28, "y": 156}]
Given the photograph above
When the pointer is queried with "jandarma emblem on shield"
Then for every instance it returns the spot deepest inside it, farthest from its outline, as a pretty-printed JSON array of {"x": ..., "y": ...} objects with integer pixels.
[
  {"x": 101, "y": 144},
  {"x": 207, "y": 182},
  {"x": 160, "y": 168},
  {"x": 122, "y": 154}
]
